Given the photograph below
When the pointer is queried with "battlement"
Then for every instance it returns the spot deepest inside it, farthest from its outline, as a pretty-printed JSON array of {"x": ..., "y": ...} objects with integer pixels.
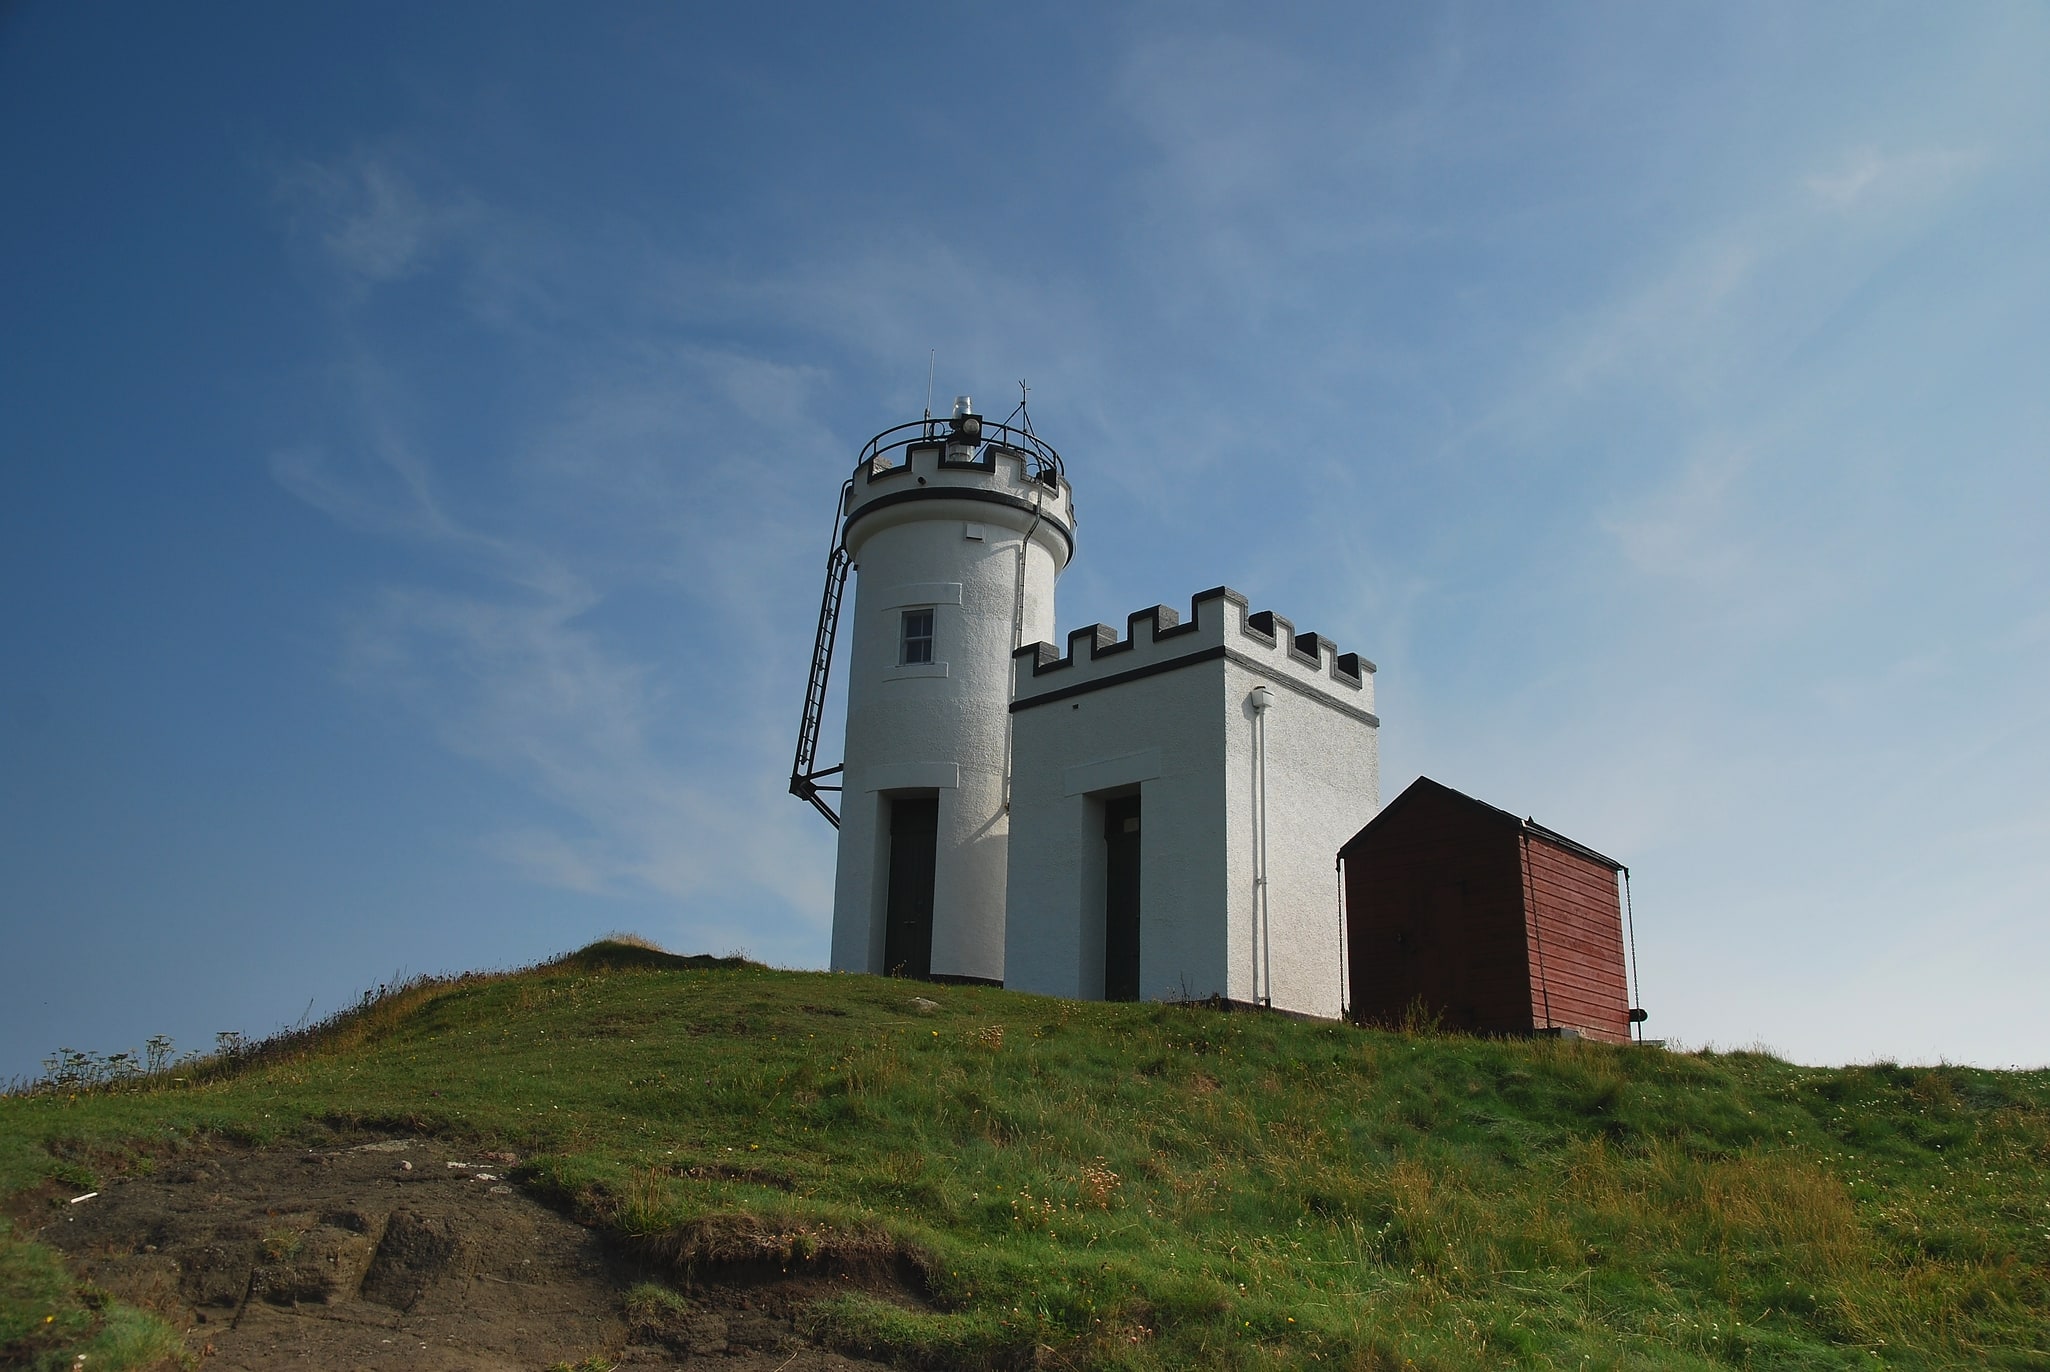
[
  {"x": 955, "y": 462},
  {"x": 1220, "y": 624},
  {"x": 933, "y": 460},
  {"x": 964, "y": 451}
]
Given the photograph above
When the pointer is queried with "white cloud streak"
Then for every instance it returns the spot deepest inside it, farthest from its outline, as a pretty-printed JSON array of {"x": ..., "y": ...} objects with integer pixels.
[
  {"x": 519, "y": 686},
  {"x": 1868, "y": 179},
  {"x": 370, "y": 220},
  {"x": 657, "y": 467}
]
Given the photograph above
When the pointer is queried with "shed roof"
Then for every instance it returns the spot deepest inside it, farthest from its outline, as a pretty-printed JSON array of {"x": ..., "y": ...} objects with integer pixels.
[{"x": 1528, "y": 827}]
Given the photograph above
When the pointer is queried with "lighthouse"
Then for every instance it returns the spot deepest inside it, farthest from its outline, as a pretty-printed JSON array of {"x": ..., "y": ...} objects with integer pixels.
[
  {"x": 1186, "y": 795},
  {"x": 1178, "y": 792},
  {"x": 956, "y": 530}
]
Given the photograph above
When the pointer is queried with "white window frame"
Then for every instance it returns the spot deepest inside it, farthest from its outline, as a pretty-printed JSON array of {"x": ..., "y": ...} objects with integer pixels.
[{"x": 917, "y": 649}]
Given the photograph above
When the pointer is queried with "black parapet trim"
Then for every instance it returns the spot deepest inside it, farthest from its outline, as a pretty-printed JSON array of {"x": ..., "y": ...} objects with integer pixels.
[
  {"x": 1163, "y": 620},
  {"x": 1213, "y": 654},
  {"x": 1224, "y": 593},
  {"x": 885, "y": 473},
  {"x": 1115, "y": 678},
  {"x": 1099, "y": 637},
  {"x": 1108, "y": 649},
  {"x": 1264, "y": 626},
  {"x": 1311, "y": 648},
  {"x": 1303, "y": 689},
  {"x": 961, "y": 493},
  {"x": 911, "y": 452},
  {"x": 983, "y": 459},
  {"x": 1045, "y": 659},
  {"x": 1160, "y": 622}
]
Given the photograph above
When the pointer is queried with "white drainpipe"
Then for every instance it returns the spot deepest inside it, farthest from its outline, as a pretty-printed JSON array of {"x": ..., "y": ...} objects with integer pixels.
[
  {"x": 1018, "y": 628},
  {"x": 1263, "y": 966}
]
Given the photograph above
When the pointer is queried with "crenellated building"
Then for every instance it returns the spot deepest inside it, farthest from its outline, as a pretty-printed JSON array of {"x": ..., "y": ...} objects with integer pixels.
[
  {"x": 1182, "y": 793},
  {"x": 1157, "y": 815}
]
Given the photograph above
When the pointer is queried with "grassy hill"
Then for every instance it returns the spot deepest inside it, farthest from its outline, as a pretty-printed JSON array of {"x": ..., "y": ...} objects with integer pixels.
[{"x": 1156, "y": 1186}]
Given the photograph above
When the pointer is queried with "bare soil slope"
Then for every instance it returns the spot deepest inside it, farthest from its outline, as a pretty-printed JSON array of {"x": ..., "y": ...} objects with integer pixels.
[{"x": 400, "y": 1253}]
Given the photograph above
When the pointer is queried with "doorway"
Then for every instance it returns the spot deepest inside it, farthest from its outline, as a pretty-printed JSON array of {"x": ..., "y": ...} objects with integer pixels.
[
  {"x": 914, "y": 848},
  {"x": 1121, "y": 898}
]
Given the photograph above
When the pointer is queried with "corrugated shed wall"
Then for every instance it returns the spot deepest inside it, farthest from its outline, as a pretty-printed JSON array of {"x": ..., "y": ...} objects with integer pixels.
[{"x": 1574, "y": 921}]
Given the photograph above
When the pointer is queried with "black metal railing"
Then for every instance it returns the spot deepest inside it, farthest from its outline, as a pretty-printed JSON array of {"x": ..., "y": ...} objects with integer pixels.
[{"x": 972, "y": 429}]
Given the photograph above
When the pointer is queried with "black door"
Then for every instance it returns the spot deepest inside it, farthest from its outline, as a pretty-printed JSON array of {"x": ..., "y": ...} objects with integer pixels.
[
  {"x": 914, "y": 839},
  {"x": 1121, "y": 899}
]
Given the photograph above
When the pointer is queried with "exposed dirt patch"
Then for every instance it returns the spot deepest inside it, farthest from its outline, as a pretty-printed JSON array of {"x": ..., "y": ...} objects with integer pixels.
[{"x": 404, "y": 1253}]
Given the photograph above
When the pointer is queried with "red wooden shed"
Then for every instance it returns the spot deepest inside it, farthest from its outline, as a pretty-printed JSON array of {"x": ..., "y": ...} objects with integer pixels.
[{"x": 1494, "y": 924}]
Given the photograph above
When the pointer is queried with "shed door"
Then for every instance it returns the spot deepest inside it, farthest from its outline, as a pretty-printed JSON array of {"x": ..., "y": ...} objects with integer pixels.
[
  {"x": 914, "y": 841},
  {"x": 1121, "y": 899}
]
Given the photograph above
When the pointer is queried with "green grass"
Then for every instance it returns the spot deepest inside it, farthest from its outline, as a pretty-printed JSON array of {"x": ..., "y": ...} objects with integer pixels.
[
  {"x": 1155, "y": 1186},
  {"x": 49, "y": 1320}
]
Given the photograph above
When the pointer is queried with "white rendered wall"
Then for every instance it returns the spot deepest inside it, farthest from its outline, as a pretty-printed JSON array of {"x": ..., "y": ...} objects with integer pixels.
[
  {"x": 1173, "y": 718},
  {"x": 1323, "y": 783},
  {"x": 1159, "y": 734},
  {"x": 944, "y": 726}
]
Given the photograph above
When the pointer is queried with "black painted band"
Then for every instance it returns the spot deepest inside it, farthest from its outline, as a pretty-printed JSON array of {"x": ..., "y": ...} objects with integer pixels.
[
  {"x": 1212, "y": 654},
  {"x": 963, "y": 493},
  {"x": 1119, "y": 678}
]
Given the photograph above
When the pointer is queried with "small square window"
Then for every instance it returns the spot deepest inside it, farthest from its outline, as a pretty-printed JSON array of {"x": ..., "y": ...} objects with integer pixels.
[{"x": 917, "y": 637}]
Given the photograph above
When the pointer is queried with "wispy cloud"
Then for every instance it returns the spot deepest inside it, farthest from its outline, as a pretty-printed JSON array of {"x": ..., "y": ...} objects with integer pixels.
[
  {"x": 1243, "y": 126},
  {"x": 1700, "y": 321},
  {"x": 519, "y": 685},
  {"x": 644, "y": 469},
  {"x": 380, "y": 484},
  {"x": 1867, "y": 177},
  {"x": 892, "y": 304},
  {"x": 1689, "y": 528},
  {"x": 370, "y": 219}
]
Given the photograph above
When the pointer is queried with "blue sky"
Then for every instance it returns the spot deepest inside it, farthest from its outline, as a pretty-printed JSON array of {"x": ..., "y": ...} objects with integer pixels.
[{"x": 422, "y": 425}]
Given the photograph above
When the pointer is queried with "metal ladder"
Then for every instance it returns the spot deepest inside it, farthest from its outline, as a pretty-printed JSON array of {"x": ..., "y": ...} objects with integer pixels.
[{"x": 804, "y": 781}]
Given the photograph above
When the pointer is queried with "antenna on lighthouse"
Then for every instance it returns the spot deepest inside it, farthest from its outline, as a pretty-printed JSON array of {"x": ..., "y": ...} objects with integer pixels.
[{"x": 1021, "y": 414}]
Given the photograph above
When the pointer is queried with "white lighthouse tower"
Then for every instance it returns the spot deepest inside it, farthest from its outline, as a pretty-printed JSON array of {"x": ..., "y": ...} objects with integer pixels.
[{"x": 958, "y": 528}]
